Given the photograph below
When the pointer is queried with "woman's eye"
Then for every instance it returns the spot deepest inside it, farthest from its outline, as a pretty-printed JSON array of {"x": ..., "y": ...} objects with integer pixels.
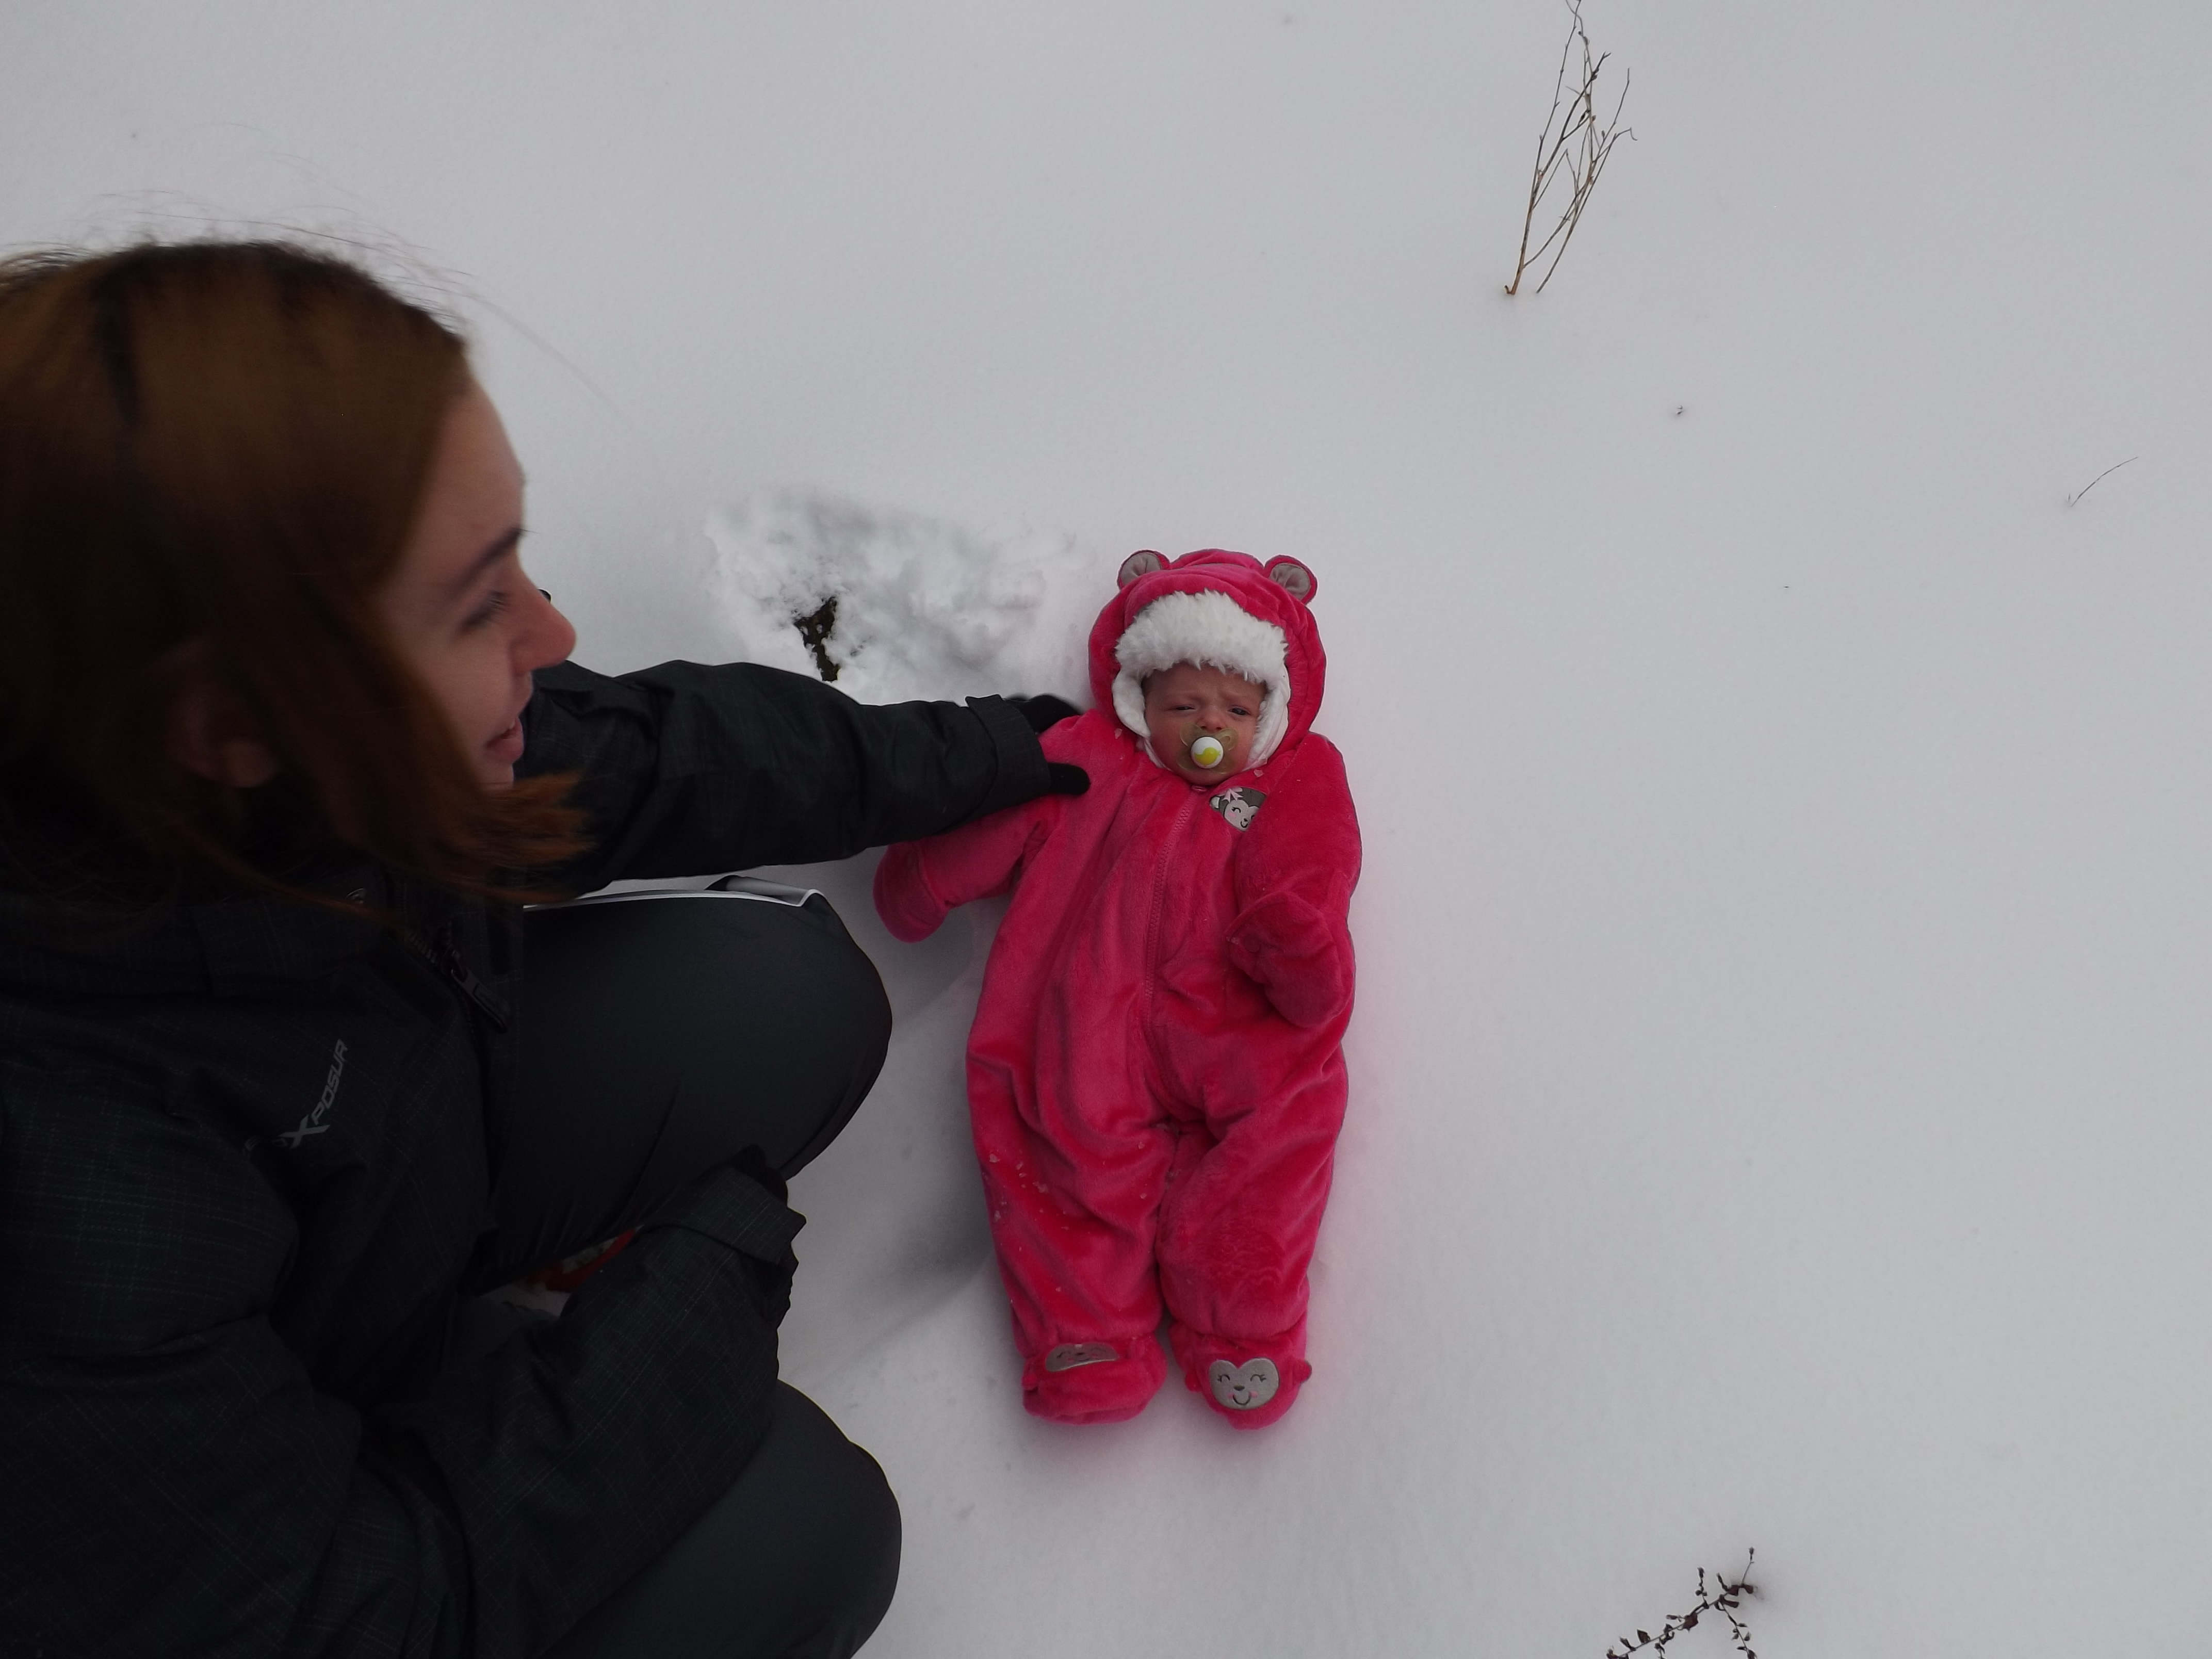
[{"x": 494, "y": 603}]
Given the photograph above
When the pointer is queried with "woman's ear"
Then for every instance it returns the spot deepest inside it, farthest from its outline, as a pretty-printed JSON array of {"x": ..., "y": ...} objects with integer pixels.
[
  {"x": 204, "y": 747},
  {"x": 1294, "y": 579},
  {"x": 1140, "y": 564}
]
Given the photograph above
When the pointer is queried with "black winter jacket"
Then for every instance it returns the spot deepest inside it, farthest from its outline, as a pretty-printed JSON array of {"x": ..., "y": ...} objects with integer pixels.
[{"x": 245, "y": 1159}]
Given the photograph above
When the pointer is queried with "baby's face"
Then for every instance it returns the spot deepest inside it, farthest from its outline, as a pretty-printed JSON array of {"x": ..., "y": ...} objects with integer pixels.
[{"x": 1187, "y": 702}]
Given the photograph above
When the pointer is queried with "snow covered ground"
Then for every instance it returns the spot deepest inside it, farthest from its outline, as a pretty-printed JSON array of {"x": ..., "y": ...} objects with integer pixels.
[{"x": 1780, "y": 1077}]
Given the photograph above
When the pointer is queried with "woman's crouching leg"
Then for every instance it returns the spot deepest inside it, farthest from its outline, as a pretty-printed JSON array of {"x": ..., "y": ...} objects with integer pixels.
[
  {"x": 660, "y": 1037},
  {"x": 797, "y": 1560}
]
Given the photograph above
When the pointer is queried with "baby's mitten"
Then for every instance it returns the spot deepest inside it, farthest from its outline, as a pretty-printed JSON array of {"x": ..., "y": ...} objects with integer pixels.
[
  {"x": 905, "y": 900},
  {"x": 1288, "y": 948},
  {"x": 1252, "y": 1383}
]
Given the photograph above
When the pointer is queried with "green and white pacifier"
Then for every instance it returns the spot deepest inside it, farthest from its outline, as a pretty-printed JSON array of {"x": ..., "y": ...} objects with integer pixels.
[{"x": 1208, "y": 751}]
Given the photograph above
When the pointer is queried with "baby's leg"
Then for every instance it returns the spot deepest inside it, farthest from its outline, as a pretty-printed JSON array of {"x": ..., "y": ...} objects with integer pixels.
[
  {"x": 1237, "y": 1236},
  {"x": 1074, "y": 1158}
]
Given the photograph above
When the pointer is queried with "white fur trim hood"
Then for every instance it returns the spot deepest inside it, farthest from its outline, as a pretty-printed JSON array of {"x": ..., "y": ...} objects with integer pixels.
[{"x": 1213, "y": 629}]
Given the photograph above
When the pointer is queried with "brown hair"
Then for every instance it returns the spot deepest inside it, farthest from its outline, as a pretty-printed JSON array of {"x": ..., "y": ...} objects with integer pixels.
[{"x": 210, "y": 457}]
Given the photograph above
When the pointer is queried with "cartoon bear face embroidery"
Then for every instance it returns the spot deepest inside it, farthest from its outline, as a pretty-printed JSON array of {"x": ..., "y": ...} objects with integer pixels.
[
  {"x": 1244, "y": 1387},
  {"x": 1239, "y": 807}
]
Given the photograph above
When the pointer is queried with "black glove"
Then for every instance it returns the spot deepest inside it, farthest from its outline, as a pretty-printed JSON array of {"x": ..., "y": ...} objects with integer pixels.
[
  {"x": 771, "y": 1279},
  {"x": 754, "y": 1162},
  {"x": 1043, "y": 713}
]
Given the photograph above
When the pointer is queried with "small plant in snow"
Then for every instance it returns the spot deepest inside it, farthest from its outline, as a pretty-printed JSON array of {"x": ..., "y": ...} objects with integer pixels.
[
  {"x": 1719, "y": 1594},
  {"x": 1572, "y": 145},
  {"x": 2099, "y": 478}
]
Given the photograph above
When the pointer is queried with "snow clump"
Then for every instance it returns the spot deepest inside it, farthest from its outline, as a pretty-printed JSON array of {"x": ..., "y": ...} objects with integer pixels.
[{"x": 924, "y": 608}]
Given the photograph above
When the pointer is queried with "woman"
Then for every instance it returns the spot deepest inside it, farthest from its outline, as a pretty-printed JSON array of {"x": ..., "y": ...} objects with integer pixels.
[{"x": 288, "y": 1077}]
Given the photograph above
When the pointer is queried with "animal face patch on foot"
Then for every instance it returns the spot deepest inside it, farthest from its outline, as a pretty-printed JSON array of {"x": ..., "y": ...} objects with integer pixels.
[{"x": 1244, "y": 1387}]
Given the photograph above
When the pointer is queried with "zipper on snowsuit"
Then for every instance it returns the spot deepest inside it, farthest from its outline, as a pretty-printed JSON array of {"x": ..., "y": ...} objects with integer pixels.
[{"x": 1159, "y": 909}]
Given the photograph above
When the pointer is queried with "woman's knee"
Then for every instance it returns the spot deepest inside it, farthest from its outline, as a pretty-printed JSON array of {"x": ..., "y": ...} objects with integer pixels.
[
  {"x": 850, "y": 989},
  {"x": 839, "y": 1027},
  {"x": 743, "y": 1000}
]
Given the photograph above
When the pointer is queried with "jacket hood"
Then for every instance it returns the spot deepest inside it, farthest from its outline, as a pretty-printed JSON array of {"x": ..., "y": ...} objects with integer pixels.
[{"x": 1217, "y": 608}]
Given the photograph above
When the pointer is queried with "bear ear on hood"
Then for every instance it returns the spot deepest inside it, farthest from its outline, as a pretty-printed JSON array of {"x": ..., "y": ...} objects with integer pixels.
[
  {"x": 1140, "y": 564},
  {"x": 1293, "y": 577}
]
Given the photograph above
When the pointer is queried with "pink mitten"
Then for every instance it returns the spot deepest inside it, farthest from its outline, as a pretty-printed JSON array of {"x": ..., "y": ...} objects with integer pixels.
[
  {"x": 908, "y": 905},
  {"x": 1285, "y": 945}
]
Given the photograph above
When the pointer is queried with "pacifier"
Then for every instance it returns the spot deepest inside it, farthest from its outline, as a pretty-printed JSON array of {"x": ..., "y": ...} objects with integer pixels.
[{"x": 1207, "y": 752}]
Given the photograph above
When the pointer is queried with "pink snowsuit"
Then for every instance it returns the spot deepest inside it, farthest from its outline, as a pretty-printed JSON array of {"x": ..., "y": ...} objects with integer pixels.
[{"x": 1155, "y": 1075}]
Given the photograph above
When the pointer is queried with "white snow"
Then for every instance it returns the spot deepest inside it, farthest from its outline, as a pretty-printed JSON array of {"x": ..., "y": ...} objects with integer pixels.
[
  {"x": 924, "y": 608},
  {"x": 1780, "y": 1079}
]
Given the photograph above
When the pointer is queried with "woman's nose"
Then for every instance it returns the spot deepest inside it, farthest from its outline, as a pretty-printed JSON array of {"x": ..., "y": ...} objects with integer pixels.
[{"x": 546, "y": 637}]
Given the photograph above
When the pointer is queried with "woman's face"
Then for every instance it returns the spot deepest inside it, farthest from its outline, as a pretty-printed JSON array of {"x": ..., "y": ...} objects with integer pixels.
[{"x": 459, "y": 607}]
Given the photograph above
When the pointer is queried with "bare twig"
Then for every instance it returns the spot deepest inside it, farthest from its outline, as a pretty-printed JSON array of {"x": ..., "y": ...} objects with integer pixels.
[
  {"x": 2098, "y": 479},
  {"x": 1719, "y": 1596},
  {"x": 1572, "y": 143}
]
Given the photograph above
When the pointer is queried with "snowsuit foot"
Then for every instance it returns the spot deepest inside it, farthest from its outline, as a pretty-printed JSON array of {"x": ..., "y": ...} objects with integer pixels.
[
  {"x": 1094, "y": 1382},
  {"x": 1250, "y": 1383}
]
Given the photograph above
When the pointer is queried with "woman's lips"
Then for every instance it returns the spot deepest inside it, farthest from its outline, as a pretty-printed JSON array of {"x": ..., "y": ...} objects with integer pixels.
[{"x": 506, "y": 747}]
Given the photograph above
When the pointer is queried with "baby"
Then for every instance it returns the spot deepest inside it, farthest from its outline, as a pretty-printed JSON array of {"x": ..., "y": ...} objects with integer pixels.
[{"x": 1155, "y": 1076}]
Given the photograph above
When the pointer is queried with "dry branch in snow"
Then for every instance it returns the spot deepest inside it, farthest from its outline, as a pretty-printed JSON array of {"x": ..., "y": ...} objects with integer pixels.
[
  {"x": 1572, "y": 146},
  {"x": 1720, "y": 1596},
  {"x": 2099, "y": 478}
]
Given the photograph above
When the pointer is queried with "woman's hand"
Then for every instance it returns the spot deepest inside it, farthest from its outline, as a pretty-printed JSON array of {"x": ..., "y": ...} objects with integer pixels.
[{"x": 1044, "y": 712}]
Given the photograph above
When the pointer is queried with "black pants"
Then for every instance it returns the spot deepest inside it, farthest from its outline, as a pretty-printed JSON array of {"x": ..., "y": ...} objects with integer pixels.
[{"x": 661, "y": 1035}]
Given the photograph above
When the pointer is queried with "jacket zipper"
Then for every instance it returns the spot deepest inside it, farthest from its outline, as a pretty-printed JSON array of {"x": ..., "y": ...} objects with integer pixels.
[{"x": 441, "y": 953}]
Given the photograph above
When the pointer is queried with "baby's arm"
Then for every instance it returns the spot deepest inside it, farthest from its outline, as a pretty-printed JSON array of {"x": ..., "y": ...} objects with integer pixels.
[
  {"x": 919, "y": 881},
  {"x": 1295, "y": 870}
]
